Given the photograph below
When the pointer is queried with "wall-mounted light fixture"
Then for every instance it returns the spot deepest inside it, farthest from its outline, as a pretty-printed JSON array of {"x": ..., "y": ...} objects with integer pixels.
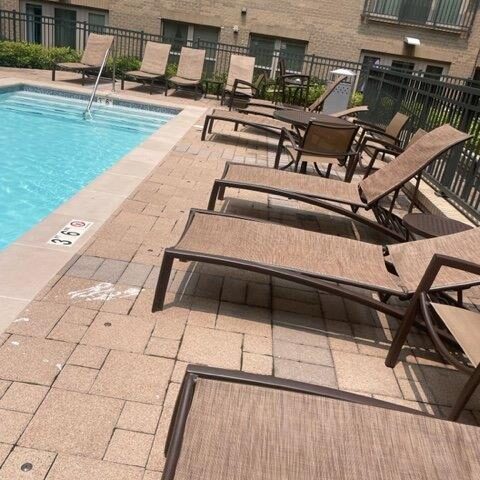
[
  {"x": 244, "y": 10},
  {"x": 235, "y": 29},
  {"x": 412, "y": 42}
]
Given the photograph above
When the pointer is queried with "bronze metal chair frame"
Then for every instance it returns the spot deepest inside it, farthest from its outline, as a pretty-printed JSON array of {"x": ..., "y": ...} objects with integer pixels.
[
  {"x": 174, "y": 441},
  {"x": 420, "y": 304}
]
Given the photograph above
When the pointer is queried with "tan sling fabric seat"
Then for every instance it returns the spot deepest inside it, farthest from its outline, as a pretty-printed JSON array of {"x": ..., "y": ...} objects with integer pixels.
[
  {"x": 289, "y": 181},
  {"x": 154, "y": 64},
  {"x": 464, "y": 326},
  {"x": 190, "y": 68},
  {"x": 92, "y": 58},
  {"x": 412, "y": 258},
  {"x": 73, "y": 65},
  {"x": 276, "y": 245},
  {"x": 241, "y": 68},
  {"x": 238, "y": 431}
]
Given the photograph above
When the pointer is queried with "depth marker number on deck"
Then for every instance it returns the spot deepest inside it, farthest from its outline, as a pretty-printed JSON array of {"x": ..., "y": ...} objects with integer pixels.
[{"x": 70, "y": 233}]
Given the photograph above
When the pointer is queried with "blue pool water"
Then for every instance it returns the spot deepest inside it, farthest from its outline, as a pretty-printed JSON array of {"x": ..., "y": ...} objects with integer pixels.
[{"x": 48, "y": 152}]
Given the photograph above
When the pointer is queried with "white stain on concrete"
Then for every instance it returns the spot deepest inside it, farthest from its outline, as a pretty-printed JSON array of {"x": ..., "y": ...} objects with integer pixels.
[
  {"x": 103, "y": 291},
  {"x": 23, "y": 319}
]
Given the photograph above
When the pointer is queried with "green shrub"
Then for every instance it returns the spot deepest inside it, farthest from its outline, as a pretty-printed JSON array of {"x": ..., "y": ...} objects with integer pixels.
[
  {"x": 171, "y": 69},
  {"x": 356, "y": 100},
  {"x": 31, "y": 55},
  {"x": 122, "y": 64}
]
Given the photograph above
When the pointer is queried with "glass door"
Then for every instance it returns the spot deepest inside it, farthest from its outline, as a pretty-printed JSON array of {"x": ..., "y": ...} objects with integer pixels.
[
  {"x": 65, "y": 27},
  {"x": 34, "y": 23}
]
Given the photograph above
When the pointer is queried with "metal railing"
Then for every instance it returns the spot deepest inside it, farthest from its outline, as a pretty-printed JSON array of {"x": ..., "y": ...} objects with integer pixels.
[
  {"x": 88, "y": 113},
  {"x": 431, "y": 102},
  {"x": 52, "y": 32},
  {"x": 452, "y": 15}
]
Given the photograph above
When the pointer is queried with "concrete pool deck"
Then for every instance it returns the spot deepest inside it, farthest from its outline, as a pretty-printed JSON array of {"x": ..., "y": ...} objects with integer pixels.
[
  {"x": 94, "y": 203},
  {"x": 89, "y": 376}
]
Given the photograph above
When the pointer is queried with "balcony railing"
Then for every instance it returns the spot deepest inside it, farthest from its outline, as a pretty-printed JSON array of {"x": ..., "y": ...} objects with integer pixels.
[{"x": 451, "y": 15}]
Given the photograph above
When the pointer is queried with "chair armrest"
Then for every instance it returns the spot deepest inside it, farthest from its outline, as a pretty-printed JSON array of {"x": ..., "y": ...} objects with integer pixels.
[
  {"x": 385, "y": 142},
  {"x": 238, "y": 82},
  {"x": 369, "y": 125},
  {"x": 439, "y": 261}
]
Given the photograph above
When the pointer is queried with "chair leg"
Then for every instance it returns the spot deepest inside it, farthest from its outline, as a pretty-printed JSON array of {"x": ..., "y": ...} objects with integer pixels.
[
  {"x": 162, "y": 283},
  {"x": 210, "y": 125},
  {"x": 166, "y": 87},
  {"x": 83, "y": 78},
  {"x": 122, "y": 84},
  {"x": 206, "y": 126},
  {"x": 216, "y": 192},
  {"x": 400, "y": 337},
  {"x": 465, "y": 395},
  {"x": 54, "y": 71}
]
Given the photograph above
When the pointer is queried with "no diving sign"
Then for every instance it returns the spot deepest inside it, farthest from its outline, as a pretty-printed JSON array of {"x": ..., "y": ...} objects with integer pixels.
[{"x": 70, "y": 233}]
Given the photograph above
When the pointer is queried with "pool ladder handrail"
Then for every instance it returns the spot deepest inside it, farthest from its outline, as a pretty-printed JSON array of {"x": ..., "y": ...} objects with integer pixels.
[{"x": 87, "y": 113}]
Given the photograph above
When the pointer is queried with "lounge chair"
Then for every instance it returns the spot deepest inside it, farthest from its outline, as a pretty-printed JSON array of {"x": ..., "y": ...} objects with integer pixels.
[
  {"x": 383, "y": 154},
  {"x": 234, "y": 425},
  {"x": 189, "y": 71},
  {"x": 239, "y": 82},
  {"x": 320, "y": 144},
  {"x": 95, "y": 53},
  {"x": 366, "y": 194},
  {"x": 154, "y": 66},
  {"x": 328, "y": 263},
  {"x": 260, "y": 122},
  {"x": 266, "y": 108},
  {"x": 374, "y": 136},
  {"x": 463, "y": 326}
]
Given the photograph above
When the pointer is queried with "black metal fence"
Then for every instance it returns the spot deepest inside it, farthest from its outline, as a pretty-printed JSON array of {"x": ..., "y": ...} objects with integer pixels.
[
  {"x": 54, "y": 32},
  {"x": 452, "y": 15},
  {"x": 431, "y": 102}
]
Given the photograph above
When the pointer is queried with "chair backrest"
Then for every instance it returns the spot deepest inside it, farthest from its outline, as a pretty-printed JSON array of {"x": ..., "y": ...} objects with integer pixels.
[
  {"x": 329, "y": 139},
  {"x": 96, "y": 48},
  {"x": 317, "y": 105},
  {"x": 397, "y": 124},
  {"x": 155, "y": 58},
  {"x": 411, "y": 259},
  {"x": 409, "y": 163},
  {"x": 241, "y": 68},
  {"x": 417, "y": 136},
  {"x": 190, "y": 65}
]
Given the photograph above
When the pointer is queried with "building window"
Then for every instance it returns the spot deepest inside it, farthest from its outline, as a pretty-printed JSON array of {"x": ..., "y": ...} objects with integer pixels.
[
  {"x": 96, "y": 22},
  {"x": 180, "y": 34},
  {"x": 449, "y": 14},
  {"x": 51, "y": 25},
  {"x": 267, "y": 51},
  {"x": 34, "y": 23},
  {"x": 403, "y": 63},
  {"x": 65, "y": 27}
]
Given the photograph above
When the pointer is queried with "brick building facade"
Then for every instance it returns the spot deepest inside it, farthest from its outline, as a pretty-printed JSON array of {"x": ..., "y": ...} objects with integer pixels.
[{"x": 331, "y": 28}]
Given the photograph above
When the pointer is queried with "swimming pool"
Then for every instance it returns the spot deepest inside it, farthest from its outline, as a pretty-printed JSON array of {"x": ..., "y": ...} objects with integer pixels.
[{"x": 49, "y": 152}]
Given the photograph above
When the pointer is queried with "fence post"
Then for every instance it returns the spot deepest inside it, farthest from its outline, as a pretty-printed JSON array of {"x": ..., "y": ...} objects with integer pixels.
[
  {"x": 142, "y": 36},
  {"x": 312, "y": 61},
  {"x": 84, "y": 34},
  {"x": 14, "y": 25}
]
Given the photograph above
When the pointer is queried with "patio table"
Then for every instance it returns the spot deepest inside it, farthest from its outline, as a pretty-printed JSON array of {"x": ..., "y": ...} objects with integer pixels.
[
  {"x": 301, "y": 118},
  {"x": 429, "y": 226}
]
